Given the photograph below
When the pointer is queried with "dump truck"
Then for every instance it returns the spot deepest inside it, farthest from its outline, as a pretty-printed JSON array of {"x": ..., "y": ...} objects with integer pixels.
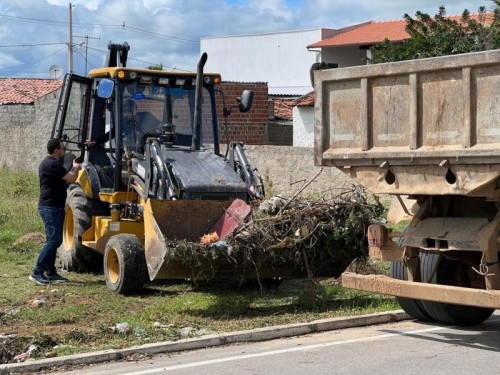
[
  {"x": 152, "y": 170},
  {"x": 427, "y": 132}
]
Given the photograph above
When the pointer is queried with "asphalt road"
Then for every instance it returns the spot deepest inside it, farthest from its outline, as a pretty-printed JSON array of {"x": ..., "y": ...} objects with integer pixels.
[{"x": 405, "y": 347}]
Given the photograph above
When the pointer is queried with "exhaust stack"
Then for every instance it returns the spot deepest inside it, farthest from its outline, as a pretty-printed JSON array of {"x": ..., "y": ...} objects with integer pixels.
[{"x": 196, "y": 143}]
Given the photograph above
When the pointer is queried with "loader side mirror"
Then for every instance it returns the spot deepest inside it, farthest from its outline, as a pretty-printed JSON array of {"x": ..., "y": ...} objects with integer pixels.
[
  {"x": 245, "y": 101},
  {"x": 105, "y": 88}
]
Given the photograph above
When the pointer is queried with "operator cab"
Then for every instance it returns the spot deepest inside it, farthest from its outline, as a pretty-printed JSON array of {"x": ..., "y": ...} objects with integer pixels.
[
  {"x": 145, "y": 130},
  {"x": 128, "y": 107}
]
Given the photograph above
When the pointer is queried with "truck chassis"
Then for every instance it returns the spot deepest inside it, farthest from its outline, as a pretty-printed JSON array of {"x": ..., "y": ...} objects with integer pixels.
[{"x": 428, "y": 129}]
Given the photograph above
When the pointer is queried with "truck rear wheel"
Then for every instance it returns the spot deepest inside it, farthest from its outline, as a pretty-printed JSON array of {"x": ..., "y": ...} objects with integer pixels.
[
  {"x": 412, "y": 307},
  {"x": 124, "y": 264},
  {"x": 440, "y": 270},
  {"x": 74, "y": 256}
]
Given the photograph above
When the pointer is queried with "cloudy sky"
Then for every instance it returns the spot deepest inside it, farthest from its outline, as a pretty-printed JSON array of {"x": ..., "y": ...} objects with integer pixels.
[{"x": 34, "y": 34}]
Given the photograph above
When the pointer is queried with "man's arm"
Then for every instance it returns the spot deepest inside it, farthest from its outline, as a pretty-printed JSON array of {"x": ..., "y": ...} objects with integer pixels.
[
  {"x": 100, "y": 140},
  {"x": 72, "y": 175}
]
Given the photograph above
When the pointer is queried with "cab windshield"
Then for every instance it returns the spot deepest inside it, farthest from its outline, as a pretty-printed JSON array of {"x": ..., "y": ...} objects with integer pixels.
[{"x": 146, "y": 108}]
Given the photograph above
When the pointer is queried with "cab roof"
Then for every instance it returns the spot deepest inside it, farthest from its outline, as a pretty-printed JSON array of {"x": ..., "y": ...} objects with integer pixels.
[{"x": 111, "y": 72}]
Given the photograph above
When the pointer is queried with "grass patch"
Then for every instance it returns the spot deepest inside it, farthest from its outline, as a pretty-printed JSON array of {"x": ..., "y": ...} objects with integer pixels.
[{"x": 84, "y": 315}]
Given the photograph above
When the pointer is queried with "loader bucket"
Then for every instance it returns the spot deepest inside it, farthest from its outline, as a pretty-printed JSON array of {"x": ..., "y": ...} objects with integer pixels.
[{"x": 167, "y": 221}]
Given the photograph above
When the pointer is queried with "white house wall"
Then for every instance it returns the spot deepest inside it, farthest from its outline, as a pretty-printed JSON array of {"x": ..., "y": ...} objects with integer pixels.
[
  {"x": 280, "y": 59},
  {"x": 344, "y": 56},
  {"x": 303, "y": 126},
  {"x": 303, "y": 117}
]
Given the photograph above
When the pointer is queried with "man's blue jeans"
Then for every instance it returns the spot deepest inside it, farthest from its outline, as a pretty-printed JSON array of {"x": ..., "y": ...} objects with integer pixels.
[{"x": 53, "y": 219}]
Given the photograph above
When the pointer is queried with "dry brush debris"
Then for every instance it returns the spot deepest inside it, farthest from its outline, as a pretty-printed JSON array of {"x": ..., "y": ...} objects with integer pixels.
[{"x": 287, "y": 238}]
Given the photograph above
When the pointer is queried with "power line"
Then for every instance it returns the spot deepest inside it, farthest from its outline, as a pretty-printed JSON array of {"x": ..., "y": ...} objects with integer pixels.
[
  {"x": 160, "y": 35},
  {"x": 54, "y": 23},
  {"x": 31, "y": 45},
  {"x": 140, "y": 29},
  {"x": 113, "y": 26},
  {"x": 132, "y": 28},
  {"x": 34, "y": 62},
  {"x": 141, "y": 61},
  {"x": 29, "y": 20}
]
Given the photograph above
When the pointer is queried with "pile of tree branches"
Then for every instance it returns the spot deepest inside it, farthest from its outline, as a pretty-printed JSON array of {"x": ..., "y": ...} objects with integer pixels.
[{"x": 287, "y": 238}]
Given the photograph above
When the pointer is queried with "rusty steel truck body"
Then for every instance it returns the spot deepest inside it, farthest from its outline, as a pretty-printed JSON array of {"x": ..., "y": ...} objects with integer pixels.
[{"x": 428, "y": 129}]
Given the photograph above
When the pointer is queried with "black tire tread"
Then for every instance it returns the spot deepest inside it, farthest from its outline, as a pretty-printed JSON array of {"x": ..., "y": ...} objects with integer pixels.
[
  {"x": 132, "y": 263},
  {"x": 446, "y": 312},
  {"x": 80, "y": 258},
  {"x": 411, "y": 306}
]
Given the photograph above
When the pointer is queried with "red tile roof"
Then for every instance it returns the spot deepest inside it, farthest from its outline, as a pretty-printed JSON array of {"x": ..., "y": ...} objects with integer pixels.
[
  {"x": 376, "y": 32},
  {"x": 306, "y": 100},
  {"x": 25, "y": 90},
  {"x": 283, "y": 109},
  {"x": 371, "y": 33}
]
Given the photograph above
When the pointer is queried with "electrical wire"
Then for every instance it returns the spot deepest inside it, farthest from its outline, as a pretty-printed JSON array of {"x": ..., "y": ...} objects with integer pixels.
[
  {"x": 55, "y": 23},
  {"x": 32, "y": 45},
  {"x": 19, "y": 67},
  {"x": 124, "y": 26},
  {"x": 160, "y": 35},
  {"x": 141, "y": 61}
]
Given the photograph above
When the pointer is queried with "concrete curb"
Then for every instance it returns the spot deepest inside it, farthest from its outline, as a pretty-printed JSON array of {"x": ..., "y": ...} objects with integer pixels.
[{"x": 259, "y": 334}]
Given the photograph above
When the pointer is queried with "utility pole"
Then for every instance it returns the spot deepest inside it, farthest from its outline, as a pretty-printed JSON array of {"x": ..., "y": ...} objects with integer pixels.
[
  {"x": 86, "y": 50},
  {"x": 70, "y": 43}
]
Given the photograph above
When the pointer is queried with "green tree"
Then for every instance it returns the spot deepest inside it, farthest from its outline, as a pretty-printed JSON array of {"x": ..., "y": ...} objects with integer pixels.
[
  {"x": 155, "y": 67},
  {"x": 440, "y": 35}
]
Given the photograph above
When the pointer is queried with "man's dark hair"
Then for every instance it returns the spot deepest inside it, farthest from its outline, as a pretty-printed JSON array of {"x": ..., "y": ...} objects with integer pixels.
[{"x": 53, "y": 144}]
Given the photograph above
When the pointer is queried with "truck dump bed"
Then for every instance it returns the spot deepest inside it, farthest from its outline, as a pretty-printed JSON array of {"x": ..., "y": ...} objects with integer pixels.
[{"x": 429, "y": 126}]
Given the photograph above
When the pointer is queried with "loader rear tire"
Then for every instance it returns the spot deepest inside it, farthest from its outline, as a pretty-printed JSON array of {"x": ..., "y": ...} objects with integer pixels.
[
  {"x": 450, "y": 272},
  {"x": 74, "y": 256},
  {"x": 124, "y": 264},
  {"x": 411, "y": 306}
]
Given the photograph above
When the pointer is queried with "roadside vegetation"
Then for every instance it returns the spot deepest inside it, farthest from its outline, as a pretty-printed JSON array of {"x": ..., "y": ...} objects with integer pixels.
[
  {"x": 439, "y": 35},
  {"x": 84, "y": 315}
]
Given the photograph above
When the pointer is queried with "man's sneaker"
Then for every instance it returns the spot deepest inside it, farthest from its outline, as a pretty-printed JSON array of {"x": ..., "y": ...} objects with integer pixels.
[
  {"x": 39, "y": 279},
  {"x": 54, "y": 277}
]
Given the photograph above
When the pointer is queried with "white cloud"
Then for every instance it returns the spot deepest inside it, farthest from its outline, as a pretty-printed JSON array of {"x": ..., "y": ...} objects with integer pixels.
[
  {"x": 169, "y": 31},
  {"x": 155, "y": 5},
  {"x": 90, "y": 5},
  {"x": 8, "y": 61},
  {"x": 272, "y": 9}
]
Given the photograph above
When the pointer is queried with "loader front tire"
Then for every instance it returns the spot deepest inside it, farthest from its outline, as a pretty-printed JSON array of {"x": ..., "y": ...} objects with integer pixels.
[
  {"x": 74, "y": 256},
  {"x": 124, "y": 264},
  {"x": 440, "y": 270}
]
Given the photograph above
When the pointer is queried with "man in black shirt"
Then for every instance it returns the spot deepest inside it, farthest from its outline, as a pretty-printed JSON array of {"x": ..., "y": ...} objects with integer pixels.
[{"x": 53, "y": 183}]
